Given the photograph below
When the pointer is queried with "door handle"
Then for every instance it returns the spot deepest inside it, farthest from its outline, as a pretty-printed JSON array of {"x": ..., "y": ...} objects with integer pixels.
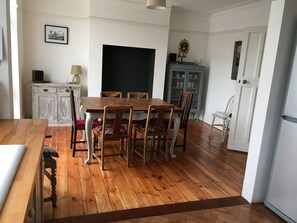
[{"x": 244, "y": 81}]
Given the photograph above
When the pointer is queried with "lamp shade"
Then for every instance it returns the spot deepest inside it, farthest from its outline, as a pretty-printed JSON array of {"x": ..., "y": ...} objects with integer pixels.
[
  {"x": 76, "y": 69},
  {"x": 156, "y": 4}
]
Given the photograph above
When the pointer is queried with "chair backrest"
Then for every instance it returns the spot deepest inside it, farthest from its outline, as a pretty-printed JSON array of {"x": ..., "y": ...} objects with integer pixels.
[
  {"x": 137, "y": 95},
  {"x": 111, "y": 94},
  {"x": 72, "y": 107},
  {"x": 114, "y": 118},
  {"x": 156, "y": 116},
  {"x": 185, "y": 102},
  {"x": 229, "y": 106}
]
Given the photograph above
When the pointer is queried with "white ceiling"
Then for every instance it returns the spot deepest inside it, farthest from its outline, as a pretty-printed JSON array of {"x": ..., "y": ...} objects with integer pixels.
[{"x": 208, "y": 6}]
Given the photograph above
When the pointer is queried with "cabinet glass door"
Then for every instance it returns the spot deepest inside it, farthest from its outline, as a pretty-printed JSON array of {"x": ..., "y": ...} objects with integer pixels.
[
  {"x": 193, "y": 83},
  {"x": 177, "y": 86}
]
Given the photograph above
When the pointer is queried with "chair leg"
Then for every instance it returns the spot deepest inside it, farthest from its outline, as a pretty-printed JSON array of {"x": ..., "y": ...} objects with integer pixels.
[
  {"x": 185, "y": 138},
  {"x": 74, "y": 143},
  {"x": 223, "y": 130},
  {"x": 213, "y": 119},
  {"x": 102, "y": 155},
  {"x": 71, "y": 140},
  {"x": 144, "y": 150}
]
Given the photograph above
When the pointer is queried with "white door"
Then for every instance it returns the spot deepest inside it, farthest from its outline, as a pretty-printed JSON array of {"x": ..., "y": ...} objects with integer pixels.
[{"x": 246, "y": 88}]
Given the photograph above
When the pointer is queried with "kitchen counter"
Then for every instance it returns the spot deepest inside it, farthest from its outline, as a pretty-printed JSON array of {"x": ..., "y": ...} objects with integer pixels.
[{"x": 25, "y": 194}]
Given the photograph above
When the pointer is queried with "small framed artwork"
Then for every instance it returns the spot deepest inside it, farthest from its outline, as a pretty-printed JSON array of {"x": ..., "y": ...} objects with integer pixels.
[
  {"x": 55, "y": 34},
  {"x": 236, "y": 59}
]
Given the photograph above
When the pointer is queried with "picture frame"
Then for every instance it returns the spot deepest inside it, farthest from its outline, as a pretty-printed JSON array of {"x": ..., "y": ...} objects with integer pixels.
[
  {"x": 55, "y": 34},
  {"x": 236, "y": 59}
]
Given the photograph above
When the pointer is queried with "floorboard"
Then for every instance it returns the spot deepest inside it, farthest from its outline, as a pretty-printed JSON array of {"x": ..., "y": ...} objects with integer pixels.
[{"x": 207, "y": 175}]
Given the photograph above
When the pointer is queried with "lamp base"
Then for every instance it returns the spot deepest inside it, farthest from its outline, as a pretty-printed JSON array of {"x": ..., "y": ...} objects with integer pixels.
[{"x": 76, "y": 79}]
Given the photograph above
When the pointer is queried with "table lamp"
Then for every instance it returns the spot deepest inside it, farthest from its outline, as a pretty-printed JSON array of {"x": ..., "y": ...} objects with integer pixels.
[{"x": 76, "y": 70}]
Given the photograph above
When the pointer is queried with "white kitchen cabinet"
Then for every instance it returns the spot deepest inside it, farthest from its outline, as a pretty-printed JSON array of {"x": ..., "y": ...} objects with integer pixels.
[{"x": 52, "y": 102}]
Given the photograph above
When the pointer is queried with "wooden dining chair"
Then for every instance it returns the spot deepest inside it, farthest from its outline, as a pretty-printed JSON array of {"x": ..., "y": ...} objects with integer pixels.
[
  {"x": 153, "y": 129},
  {"x": 111, "y": 94},
  {"x": 77, "y": 125},
  {"x": 137, "y": 95},
  {"x": 185, "y": 102},
  {"x": 118, "y": 130}
]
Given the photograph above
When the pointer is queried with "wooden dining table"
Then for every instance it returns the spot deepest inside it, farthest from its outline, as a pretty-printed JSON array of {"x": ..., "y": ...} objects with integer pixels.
[{"x": 93, "y": 108}]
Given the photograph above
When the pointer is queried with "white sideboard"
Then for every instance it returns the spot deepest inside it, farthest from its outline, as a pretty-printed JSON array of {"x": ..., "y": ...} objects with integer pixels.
[{"x": 52, "y": 101}]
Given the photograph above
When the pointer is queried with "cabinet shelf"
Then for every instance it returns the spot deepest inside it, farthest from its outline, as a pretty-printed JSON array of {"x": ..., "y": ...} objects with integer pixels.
[{"x": 184, "y": 77}]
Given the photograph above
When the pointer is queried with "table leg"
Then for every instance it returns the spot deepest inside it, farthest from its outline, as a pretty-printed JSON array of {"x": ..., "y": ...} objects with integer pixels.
[
  {"x": 176, "y": 119},
  {"x": 89, "y": 123},
  {"x": 82, "y": 116}
]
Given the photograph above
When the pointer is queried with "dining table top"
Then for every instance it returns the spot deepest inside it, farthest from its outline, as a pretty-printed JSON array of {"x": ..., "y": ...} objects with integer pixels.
[{"x": 97, "y": 104}]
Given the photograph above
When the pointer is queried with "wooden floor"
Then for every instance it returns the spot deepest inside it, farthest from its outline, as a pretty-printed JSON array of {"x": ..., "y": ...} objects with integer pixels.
[{"x": 206, "y": 171}]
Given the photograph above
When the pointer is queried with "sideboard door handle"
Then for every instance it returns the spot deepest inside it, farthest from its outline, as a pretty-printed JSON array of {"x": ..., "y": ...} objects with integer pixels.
[{"x": 45, "y": 90}]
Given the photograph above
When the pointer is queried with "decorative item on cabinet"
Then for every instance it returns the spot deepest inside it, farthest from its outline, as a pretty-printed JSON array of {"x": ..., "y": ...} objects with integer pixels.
[
  {"x": 76, "y": 70},
  {"x": 185, "y": 77},
  {"x": 183, "y": 48},
  {"x": 52, "y": 102}
]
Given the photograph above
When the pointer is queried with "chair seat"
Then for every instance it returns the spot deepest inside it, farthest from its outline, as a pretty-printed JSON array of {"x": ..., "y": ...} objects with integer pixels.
[
  {"x": 142, "y": 124},
  {"x": 109, "y": 130},
  {"x": 223, "y": 115},
  {"x": 82, "y": 122}
]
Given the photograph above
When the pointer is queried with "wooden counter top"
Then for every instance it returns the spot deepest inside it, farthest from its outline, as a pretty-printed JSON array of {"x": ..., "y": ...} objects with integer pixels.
[{"x": 31, "y": 133}]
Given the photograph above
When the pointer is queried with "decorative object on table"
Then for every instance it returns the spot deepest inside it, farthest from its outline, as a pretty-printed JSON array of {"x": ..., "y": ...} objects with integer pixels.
[
  {"x": 183, "y": 48},
  {"x": 156, "y": 4},
  {"x": 37, "y": 76},
  {"x": 76, "y": 70},
  {"x": 236, "y": 59},
  {"x": 55, "y": 34}
]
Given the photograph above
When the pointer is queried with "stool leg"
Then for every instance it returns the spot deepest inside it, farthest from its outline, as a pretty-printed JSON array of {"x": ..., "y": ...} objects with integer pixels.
[{"x": 54, "y": 183}]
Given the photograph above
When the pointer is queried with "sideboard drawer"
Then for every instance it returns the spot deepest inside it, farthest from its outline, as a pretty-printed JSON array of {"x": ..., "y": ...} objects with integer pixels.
[
  {"x": 49, "y": 90},
  {"x": 63, "y": 90}
]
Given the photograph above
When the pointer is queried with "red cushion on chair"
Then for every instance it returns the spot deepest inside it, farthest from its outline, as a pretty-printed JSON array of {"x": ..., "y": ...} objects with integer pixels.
[
  {"x": 82, "y": 122},
  {"x": 96, "y": 123}
]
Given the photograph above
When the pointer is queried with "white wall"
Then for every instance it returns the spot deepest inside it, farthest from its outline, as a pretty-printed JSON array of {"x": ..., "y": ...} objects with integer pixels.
[
  {"x": 111, "y": 25},
  {"x": 192, "y": 27},
  {"x": 54, "y": 59},
  {"x": 225, "y": 28},
  {"x": 6, "y": 98}
]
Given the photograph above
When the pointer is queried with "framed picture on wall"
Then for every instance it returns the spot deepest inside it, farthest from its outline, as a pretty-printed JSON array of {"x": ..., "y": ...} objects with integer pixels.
[
  {"x": 236, "y": 59},
  {"x": 55, "y": 34}
]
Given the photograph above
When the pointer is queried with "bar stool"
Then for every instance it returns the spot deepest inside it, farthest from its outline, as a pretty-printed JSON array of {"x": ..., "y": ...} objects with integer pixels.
[{"x": 50, "y": 163}]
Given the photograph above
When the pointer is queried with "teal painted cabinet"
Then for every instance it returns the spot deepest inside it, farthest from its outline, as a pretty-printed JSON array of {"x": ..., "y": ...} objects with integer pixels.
[{"x": 187, "y": 77}]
